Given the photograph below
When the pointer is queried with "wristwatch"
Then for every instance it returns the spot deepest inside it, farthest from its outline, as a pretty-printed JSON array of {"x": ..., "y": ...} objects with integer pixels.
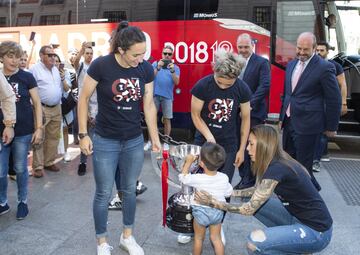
[
  {"x": 10, "y": 125},
  {"x": 82, "y": 135}
]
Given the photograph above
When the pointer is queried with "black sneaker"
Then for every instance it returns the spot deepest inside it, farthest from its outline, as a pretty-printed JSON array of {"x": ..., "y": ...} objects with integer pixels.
[
  {"x": 22, "y": 211},
  {"x": 115, "y": 203},
  {"x": 4, "y": 209},
  {"x": 140, "y": 188},
  {"x": 82, "y": 169}
]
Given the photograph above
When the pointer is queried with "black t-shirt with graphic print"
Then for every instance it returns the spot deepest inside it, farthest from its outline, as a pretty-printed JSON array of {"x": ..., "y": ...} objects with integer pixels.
[
  {"x": 21, "y": 82},
  {"x": 119, "y": 94},
  {"x": 298, "y": 195},
  {"x": 221, "y": 109}
]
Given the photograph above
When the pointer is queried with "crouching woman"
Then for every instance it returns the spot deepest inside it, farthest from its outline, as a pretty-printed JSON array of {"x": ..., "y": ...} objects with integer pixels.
[{"x": 297, "y": 220}]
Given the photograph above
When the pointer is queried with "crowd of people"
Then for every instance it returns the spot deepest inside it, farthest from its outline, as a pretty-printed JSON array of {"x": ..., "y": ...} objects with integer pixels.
[{"x": 228, "y": 109}]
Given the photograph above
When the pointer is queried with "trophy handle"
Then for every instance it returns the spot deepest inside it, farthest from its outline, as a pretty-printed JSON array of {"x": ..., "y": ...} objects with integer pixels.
[{"x": 156, "y": 159}]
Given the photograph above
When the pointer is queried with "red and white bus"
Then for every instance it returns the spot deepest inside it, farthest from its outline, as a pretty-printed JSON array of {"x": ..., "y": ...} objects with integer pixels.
[{"x": 196, "y": 30}]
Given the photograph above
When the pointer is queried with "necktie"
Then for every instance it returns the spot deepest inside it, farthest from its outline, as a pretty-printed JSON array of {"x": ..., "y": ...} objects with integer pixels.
[
  {"x": 241, "y": 76},
  {"x": 294, "y": 81}
]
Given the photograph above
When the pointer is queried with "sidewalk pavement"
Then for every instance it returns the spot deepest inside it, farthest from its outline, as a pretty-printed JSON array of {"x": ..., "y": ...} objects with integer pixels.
[{"x": 60, "y": 220}]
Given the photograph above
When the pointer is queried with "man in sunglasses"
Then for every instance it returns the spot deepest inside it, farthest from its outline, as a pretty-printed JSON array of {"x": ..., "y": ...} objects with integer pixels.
[
  {"x": 50, "y": 88},
  {"x": 167, "y": 76}
]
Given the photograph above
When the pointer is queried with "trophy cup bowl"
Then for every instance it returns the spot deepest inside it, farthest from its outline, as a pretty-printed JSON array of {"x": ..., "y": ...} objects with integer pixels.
[
  {"x": 178, "y": 154},
  {"x": 178, "y": 214}
]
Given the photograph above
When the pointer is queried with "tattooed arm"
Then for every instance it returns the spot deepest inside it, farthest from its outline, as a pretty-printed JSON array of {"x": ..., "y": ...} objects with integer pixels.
[
  {"x": 261, "y": 194},
  {"x": 248, "y": 192}
]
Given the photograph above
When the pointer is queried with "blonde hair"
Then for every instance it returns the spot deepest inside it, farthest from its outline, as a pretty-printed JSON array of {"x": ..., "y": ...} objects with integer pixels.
[
  {"x": 10, "y": 47},
  {"x": 227, "y": 64},
  {"x": 268, "y": 148}
]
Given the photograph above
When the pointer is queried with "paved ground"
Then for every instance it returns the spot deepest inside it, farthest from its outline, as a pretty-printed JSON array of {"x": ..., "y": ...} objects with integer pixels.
[{"x": 60, "y": 220}]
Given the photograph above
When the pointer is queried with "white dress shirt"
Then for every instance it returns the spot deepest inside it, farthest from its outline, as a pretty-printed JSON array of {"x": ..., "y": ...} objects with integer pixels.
[{"x": 49, "y": 83}]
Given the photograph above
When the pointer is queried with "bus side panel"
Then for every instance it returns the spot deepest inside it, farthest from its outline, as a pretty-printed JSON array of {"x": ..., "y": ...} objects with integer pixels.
[{"x": 276, "y": 89}]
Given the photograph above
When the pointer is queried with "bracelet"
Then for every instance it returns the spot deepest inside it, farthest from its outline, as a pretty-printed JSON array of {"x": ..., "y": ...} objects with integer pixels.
[
  {"x": 62, "y": 79},
  {"x": 173, "y": 71},
  {"x": 158, "y": 69},
  {"x": 344, "y": 104}
]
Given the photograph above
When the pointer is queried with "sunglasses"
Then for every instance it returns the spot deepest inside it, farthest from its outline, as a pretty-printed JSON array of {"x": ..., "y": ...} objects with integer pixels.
[
  {"x": 50, "y": 55},
  {"x": 167, "y": 53}
]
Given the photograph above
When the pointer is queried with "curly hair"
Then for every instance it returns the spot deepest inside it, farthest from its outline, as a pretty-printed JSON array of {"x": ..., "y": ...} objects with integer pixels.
[
  {"x": 10, "y": 47},
  {"x": 228, "y": 64}
]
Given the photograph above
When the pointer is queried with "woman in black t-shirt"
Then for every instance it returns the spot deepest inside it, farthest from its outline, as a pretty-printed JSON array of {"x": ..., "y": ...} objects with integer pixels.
[
  {"x": 122, "y": 80},
  {"x": 298, "y": 220},
  {"x": 217, "y": 102}
]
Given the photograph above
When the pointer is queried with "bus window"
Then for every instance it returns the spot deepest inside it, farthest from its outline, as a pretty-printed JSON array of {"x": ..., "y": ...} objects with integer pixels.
[
  {"x": 206, "y": 9},
  {"x": 292, "y": 18},
  {"x": 171, "y": 10}
]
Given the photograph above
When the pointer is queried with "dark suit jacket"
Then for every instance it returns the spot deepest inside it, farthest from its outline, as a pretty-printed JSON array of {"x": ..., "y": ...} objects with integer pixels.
[
  {"x": 316, "y": 101},
  {"x": 257, "y": 76}
]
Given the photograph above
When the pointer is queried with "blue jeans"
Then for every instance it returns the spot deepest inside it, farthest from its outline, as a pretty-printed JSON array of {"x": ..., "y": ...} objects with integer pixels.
[
  {"x": 285, "y": 234},
  {"x": 19, "y": 148},
  {"x": 109, "y": 154}
]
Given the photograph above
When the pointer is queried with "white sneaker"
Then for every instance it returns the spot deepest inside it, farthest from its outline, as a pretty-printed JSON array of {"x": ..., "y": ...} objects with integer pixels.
[
  {"x": 129, "y": 244},
  {"x": 183, "y": 239},
  {"x": 67, "y": 157},
  {"x": 147, "y": 146},
  {"x": 104, "y": 249},
  {"x": 222, "y": 236}
]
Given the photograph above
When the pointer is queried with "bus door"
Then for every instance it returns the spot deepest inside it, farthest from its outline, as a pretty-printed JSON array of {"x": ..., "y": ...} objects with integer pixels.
[{"x": 214, "y": 24}]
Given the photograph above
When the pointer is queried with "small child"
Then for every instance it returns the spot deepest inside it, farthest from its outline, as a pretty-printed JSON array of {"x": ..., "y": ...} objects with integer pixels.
[{"x": 212, "y": 157}]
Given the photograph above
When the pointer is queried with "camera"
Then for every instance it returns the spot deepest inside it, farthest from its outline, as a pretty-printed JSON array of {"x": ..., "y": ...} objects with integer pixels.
[
  {"x": 61, "y": 66},
  {"x": 166, "y": 63},
  {"x": 93, "y": 44}
]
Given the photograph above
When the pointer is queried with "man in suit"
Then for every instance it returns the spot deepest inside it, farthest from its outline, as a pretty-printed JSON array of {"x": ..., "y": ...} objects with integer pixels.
[
  {"x": 311, "y": 104},
  {"x": 256, "y": 75}
]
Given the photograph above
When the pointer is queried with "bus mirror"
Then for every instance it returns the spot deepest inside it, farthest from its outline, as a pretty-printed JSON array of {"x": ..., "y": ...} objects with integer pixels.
[{"x": 331, "y": 21}]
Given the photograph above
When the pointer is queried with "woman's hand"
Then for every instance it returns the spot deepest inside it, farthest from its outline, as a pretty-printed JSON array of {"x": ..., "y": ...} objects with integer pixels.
[
  {"x": 239, "y": 159},
  {"x": 204, "y": 198},
  {"x": 37, "y": 136},
  {"x": 8, "y": 135},
  {"x": 156, "y": 146},
  {"x": 211, "y": 139},
  {"x": 86, "y": 145}
]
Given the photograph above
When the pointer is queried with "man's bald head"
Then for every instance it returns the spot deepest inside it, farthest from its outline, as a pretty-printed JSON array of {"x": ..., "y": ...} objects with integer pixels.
[
  {"x": 305, "y": 46},
  {"x": 245, "y": 45}
]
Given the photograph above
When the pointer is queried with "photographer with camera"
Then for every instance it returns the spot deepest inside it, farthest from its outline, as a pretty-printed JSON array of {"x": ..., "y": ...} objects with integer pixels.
[{"x": 167, "y": 76}]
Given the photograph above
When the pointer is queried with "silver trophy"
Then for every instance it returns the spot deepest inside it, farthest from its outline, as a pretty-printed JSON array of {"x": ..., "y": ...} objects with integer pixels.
[{"x": 178, "y": 213}]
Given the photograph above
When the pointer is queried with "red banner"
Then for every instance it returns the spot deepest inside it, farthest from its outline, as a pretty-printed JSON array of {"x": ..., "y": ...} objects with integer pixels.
[{"x": 164, "y": 182}]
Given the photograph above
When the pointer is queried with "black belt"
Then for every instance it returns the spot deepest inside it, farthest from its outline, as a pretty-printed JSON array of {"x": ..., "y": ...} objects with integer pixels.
[{"x": 50, "y": 106}]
